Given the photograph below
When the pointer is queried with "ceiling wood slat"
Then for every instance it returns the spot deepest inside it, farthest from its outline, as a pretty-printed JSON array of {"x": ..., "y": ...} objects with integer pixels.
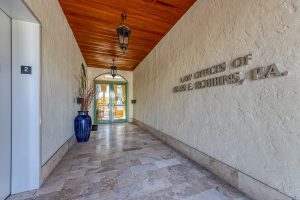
[{"x": 94, "y": 24}]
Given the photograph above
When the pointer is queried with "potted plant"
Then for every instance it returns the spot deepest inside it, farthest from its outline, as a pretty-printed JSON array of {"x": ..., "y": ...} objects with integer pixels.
[{"x": 83, "y": 122}]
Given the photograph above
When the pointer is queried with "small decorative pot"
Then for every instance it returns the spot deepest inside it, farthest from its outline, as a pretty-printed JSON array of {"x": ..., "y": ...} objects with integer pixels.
[{"x": 83, "y": 125}]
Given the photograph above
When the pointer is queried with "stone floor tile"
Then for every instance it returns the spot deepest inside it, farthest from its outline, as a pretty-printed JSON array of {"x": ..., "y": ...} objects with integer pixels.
[
  {"x": 99, "y": 196},
  {"x": 23, "y": 195},
  {"x": 211, "y": 194},
  {"x": 146, "y": 158},
  {"x": 243, "y": 198},
  {"x": 140, "y": 169},
  {"x": 124, "y": 162},
  {"x": 145, "y": 187},
  {"x": 51, "y": 185},
  {"x": 167, "y": 163}
]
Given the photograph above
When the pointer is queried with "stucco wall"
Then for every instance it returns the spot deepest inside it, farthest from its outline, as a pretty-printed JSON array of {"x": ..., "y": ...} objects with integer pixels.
[
  {"x": 61, "y": 61},
  {"x": 128, "y": 75},
  {"x": 252, "y": 127}
]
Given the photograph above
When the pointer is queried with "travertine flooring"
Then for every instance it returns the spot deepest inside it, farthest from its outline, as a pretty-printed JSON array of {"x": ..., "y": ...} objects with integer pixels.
[{"x": 122, "y": 161}]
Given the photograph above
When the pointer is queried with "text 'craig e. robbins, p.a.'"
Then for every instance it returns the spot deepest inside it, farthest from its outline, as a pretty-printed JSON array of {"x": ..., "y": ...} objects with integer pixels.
[{"x": 237, "y": 77}]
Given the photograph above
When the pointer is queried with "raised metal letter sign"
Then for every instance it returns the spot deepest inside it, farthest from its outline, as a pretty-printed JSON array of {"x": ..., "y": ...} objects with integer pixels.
[
  {"x": 237, "y": 77},
  {"x": 267, "y": 72}
]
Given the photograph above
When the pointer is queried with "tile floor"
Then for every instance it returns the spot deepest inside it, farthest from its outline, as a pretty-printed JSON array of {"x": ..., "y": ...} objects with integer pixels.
[{"x": 122, "y": 161}]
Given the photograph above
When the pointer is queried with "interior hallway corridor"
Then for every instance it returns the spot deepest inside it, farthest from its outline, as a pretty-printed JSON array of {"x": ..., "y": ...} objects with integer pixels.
[{"x": 122, "y": 161}]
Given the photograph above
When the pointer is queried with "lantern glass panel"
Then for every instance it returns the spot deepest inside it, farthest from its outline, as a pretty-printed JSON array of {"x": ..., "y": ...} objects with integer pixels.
[
  {"x": 121, "y": 38},
  {"x": 125, "y": 41}
]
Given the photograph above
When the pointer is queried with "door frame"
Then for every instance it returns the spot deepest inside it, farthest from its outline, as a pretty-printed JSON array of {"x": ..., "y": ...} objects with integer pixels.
[
  {"x": 8, "y": 185},
  {"x": 111, "y": 83}
]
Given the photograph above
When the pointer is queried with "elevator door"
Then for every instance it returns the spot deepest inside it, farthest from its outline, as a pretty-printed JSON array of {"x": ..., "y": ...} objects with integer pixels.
[{"x": 5, "y": 105}]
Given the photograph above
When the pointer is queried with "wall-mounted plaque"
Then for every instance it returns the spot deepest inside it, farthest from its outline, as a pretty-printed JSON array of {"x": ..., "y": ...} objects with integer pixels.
[{"x": 26, "y": 69}]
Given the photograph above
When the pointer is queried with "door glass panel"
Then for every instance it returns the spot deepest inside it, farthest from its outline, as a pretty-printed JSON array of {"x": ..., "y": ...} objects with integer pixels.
[
  {"x": 102, "y": 102},
  {"x": 119, "y": 102}
]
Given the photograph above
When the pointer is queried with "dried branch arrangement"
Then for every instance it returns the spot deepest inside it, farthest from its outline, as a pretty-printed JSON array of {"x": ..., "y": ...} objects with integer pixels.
[{"x": 86, "y": 92}]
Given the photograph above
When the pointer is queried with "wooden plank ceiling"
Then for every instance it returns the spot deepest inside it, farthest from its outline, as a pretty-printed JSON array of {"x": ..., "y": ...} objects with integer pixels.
[{"x": 94, "y": 24}]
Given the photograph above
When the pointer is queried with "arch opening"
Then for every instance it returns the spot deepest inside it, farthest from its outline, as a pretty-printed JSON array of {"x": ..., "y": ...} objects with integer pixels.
[{"x": 108, "y": 77}]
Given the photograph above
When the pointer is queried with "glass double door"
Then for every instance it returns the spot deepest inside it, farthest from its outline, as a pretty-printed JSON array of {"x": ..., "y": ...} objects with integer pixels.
[{"x": 110, "y": 102}]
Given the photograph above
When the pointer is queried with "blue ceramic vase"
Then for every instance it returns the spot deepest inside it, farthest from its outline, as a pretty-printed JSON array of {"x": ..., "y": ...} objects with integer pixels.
[{"x": 83, "y": 125}]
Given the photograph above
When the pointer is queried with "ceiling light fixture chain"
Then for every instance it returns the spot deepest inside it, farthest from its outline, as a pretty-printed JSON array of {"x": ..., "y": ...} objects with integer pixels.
[{"x": 124, "y": 17}]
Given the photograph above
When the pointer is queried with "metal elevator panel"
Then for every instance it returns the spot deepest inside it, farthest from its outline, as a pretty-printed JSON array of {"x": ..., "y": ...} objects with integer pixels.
[{"x": 5, "y": 105}]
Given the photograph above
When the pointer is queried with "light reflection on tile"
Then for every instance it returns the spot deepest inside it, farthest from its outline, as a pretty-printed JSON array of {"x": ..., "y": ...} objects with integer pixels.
[{"x": 121, "y": 161}]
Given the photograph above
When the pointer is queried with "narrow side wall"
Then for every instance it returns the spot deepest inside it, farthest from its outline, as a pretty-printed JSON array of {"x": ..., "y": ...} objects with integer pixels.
[
  {"x": 61, "y": 62},
  {"x": 252, "y": 127}
]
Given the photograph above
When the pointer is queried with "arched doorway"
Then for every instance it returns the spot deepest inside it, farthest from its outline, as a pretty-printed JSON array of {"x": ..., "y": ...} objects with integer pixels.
[{"x": 111, "y": 99}]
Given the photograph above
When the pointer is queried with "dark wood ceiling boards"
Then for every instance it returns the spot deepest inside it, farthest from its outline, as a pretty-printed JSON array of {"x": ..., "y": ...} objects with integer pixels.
[{"x": 94, "y": 24}]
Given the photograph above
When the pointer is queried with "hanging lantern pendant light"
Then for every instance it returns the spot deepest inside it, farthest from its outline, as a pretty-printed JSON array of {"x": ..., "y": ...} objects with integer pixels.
[
  {"x": 113, "y": 69},
  {"x": 124, "y": 33}
]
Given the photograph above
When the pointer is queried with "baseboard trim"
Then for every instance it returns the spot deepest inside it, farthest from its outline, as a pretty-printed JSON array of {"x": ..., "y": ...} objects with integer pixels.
[
  {"x": 252, "y": 187},
  {"x": 49, "y": 166}
]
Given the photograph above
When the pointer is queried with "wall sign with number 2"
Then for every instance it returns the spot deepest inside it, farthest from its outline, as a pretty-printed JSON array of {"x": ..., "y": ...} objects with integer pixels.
[{"x": 26, "y": 69}]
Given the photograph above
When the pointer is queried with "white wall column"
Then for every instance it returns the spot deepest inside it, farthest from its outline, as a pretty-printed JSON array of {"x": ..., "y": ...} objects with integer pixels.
[{"x": 26, "y": 161}]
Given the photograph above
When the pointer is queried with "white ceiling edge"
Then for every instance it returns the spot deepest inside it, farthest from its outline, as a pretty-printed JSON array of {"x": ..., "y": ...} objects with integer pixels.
[{"x": 16, "y": 9}]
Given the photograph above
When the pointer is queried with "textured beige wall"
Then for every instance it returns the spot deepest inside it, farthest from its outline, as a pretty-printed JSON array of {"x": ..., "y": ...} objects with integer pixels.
[
  {"x": 128, "y": 75},
  {"x": 61, "y": 60},
  {"x": 253, "y": 127}
]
